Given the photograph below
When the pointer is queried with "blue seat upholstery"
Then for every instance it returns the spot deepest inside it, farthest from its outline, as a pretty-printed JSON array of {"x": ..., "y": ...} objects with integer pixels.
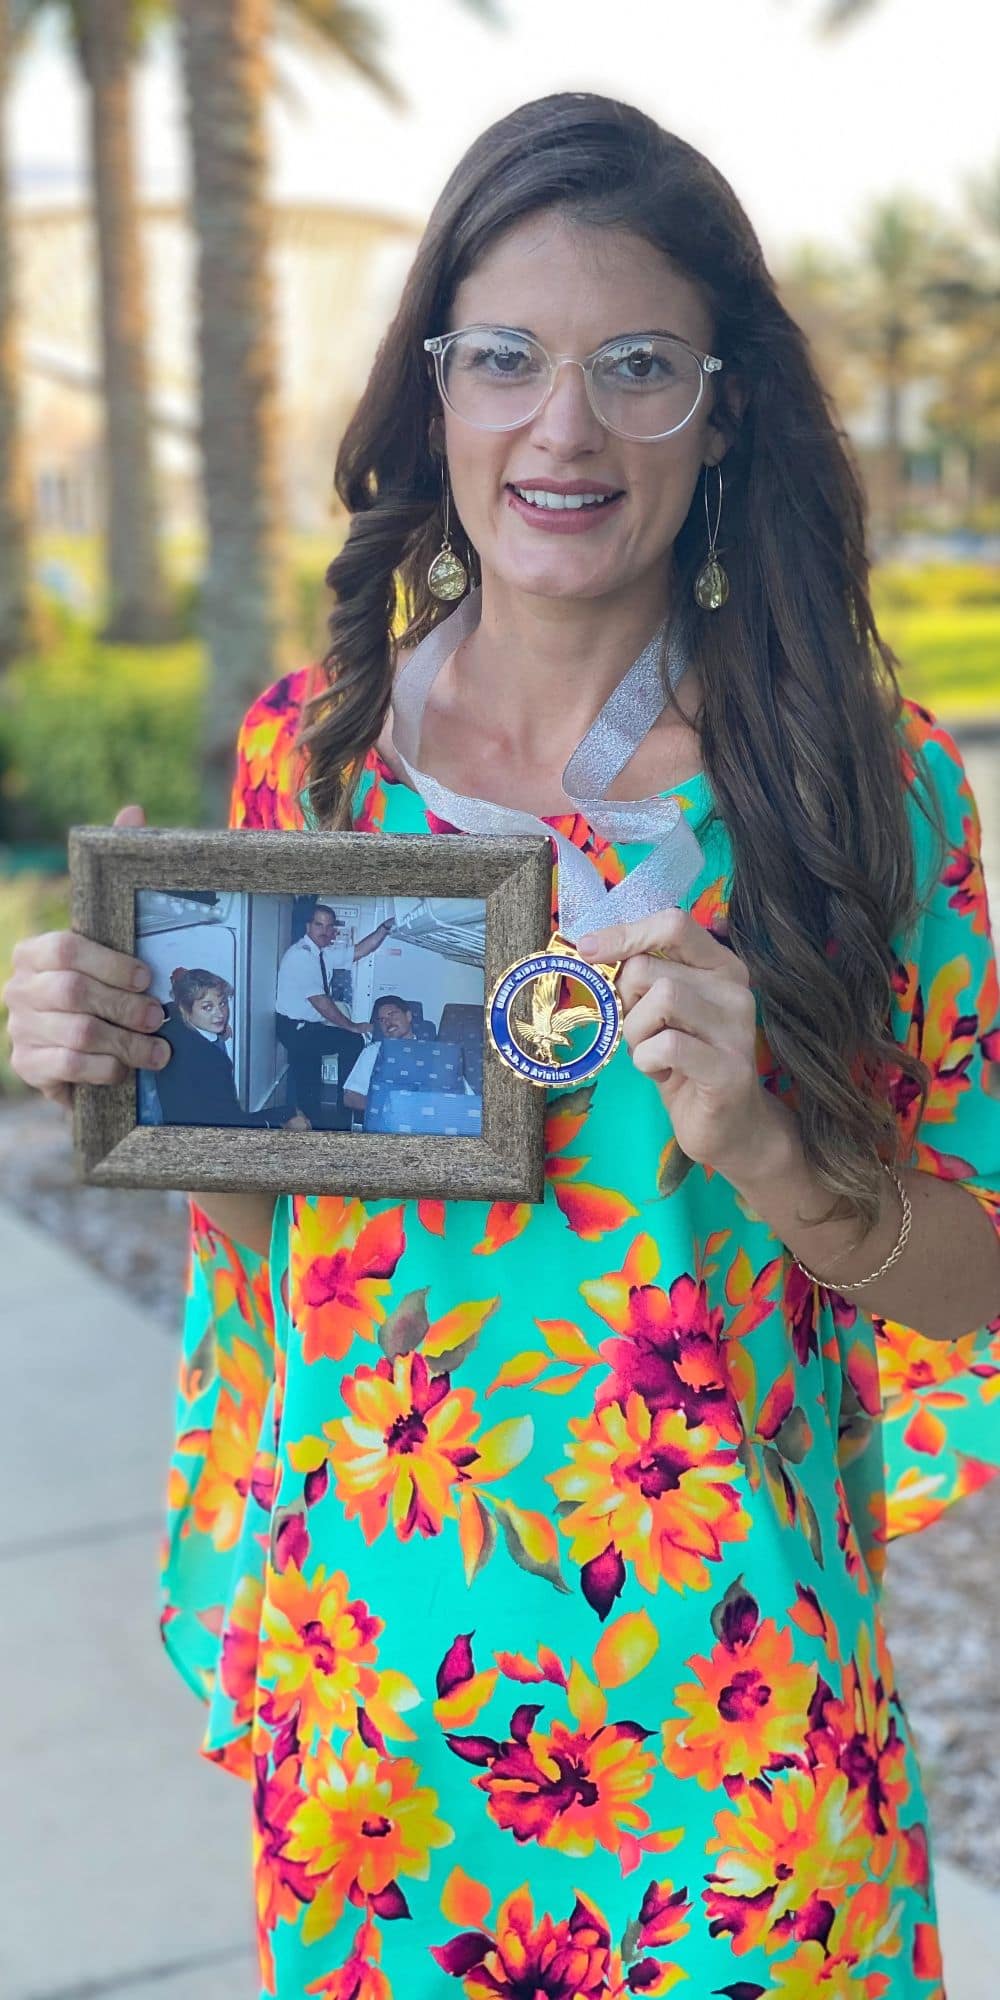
[
  {"x": 416, "y": 1068},
  {"x": 464, "y": 1023},
  {"x": 447, "y": 1112}
]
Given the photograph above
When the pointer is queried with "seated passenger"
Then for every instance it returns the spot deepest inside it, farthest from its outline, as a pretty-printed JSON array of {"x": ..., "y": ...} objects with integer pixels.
[{"x": 394, "y": 1022}]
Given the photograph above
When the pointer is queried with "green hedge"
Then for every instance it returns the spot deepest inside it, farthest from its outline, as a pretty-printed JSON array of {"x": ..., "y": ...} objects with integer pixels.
[
  {"x": 86, "y": 727},
  {"x": 936, "y": 587}
]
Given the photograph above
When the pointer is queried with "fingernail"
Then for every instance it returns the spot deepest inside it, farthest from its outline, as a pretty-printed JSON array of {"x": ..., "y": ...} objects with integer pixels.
[
  {"x": 586, "y": 943},
  {"x": 155, "y": 1015},
  {"x": 161, "y": 1054},
  {"x": 140, "y": 977}
]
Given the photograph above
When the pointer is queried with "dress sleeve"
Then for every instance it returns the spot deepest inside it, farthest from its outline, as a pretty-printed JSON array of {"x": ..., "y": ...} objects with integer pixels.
[
  {"x": 227, "y": 1364},
  {"x": 941, "y": 1399}
]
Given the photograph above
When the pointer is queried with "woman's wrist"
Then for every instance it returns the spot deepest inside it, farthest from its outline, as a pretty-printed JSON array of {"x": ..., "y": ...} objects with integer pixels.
[{"x": 777, "y": 1182}]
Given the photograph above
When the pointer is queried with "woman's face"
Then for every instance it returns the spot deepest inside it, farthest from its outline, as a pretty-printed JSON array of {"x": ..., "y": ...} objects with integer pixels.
[
  {"x": 210, "y": 1012},
  {"x": 575, "y": 287}
]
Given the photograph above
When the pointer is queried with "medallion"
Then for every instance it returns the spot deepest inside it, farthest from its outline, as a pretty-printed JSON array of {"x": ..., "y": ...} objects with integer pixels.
[{"x": 542, "y": 1046}]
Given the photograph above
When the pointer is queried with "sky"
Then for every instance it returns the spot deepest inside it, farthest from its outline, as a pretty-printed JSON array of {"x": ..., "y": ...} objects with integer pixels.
[{"x": 809, "y": 130}]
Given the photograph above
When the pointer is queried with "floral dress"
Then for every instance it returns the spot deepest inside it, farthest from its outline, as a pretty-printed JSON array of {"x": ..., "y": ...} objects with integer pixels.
[{"x": 528, "y": 1557}]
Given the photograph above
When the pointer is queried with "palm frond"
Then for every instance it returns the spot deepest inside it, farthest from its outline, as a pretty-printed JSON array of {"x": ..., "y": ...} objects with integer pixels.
[
  {"x": 840, "y": 14},
  {"x": 345, "y": 31}
]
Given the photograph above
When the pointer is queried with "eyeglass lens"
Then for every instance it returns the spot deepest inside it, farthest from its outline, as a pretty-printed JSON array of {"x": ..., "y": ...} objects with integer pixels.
[{"x": 642, "y": 386}]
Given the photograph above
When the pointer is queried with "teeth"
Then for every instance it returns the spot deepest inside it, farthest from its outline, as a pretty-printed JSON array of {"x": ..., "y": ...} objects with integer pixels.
[{"x": 563, "y": 500}]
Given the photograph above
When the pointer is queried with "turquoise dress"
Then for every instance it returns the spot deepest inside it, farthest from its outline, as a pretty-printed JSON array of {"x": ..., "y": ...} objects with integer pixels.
[{"x": 529, "y": 1558}]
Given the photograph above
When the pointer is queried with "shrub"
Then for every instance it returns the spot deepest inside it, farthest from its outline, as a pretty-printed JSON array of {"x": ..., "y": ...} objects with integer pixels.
[
  {"x": 85, "y": 727},
  {"x": 935, "y": 587}
]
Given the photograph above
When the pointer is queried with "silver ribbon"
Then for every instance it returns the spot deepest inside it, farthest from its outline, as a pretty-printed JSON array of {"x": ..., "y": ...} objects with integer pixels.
[{"x": 659, "y": 882}]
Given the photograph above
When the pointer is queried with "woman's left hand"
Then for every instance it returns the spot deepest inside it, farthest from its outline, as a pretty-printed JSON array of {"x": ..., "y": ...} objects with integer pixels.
[{"x": 690, "y": 1023}]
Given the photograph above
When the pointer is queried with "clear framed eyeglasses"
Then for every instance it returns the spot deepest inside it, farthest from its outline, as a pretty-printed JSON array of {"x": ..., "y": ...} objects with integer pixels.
[{"x": 640, "y": 385}]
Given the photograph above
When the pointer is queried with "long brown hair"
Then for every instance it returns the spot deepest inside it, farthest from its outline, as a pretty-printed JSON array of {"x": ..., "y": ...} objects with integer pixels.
[{"x": 799, "y": 723}]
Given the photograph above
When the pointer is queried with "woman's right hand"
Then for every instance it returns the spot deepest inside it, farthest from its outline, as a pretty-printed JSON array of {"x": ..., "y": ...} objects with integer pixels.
[{"x": 78, "y": 1012}]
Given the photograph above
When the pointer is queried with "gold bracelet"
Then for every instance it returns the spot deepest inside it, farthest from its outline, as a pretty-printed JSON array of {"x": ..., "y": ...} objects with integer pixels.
[{"x": 828, "y": 1284}]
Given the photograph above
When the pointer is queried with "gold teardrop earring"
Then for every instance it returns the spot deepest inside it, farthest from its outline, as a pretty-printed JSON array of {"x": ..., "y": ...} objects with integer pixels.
[
  {"x": 447, "y": 578},
  {"x": 711, "y": 585}
]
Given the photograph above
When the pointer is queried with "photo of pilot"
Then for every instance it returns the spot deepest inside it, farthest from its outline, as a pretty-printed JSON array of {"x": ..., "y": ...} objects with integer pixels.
[{"x": 313, "y": 1024}]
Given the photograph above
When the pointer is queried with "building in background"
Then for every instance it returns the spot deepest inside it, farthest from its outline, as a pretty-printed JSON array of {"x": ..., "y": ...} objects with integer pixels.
[{"x": 337, "y": 273}]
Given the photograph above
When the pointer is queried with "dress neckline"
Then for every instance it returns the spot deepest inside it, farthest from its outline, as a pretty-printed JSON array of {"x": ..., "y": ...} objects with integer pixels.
[{"x": 384, "y": 771}]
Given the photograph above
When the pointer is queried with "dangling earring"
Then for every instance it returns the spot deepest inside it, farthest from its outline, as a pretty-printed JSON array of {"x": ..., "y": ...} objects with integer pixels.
[
  {"x": 711, "y": 585},
  {"x": 447, "y": 578}
]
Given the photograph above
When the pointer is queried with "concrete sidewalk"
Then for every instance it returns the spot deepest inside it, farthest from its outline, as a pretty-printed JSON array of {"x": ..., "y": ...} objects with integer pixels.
[{"x": 125, "y": 1866}]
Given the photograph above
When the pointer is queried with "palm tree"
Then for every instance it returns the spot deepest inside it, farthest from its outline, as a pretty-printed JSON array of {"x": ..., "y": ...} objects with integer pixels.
[
  {"x": 891, "y": 318},
  {"x": 224, "y": 45},
  {"x": 105, "y": 37},
  {"x": 844, "y": 13},
  {"x": 15, "y": 613},
  {"x": 966, "y": 411}
]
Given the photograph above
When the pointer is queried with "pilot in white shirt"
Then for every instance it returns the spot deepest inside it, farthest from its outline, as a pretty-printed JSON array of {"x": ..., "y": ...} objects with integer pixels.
[{"x": 311, "y": 1024}]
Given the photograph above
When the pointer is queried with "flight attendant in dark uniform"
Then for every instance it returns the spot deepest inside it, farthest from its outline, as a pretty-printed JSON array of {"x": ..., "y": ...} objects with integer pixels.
[{"x": 198, "y": 1087}]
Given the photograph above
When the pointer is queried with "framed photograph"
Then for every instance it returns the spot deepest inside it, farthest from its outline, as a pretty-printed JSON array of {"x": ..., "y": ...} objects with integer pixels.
[{"x": 325, "y": 1011}]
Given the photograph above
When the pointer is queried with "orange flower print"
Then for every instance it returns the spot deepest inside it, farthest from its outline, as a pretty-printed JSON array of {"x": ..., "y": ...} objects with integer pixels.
[
  {"x": 785, "y": 1851},
  {"x": 567, "y": 1959},
  {"x": 641, "y": 1488},
  {"x": 281, "y": 1885},
  {"x": 590, "y": 1212},
  {"x": 565, "y": 1787},
  {"x": 747, "y": 1711},
  {"x": 269, "y": 769},
  {"x": 361, "y": 1976},
  {"x": 409, "y": 1445},
  {"x": 318, "y": 1655},
  {"x": 570, "y": 1786},
  {"x": 865, "y": 1927},
  {"x": 218, "y": 1500},
  {"x": 240, "y": 1644},
  {"x": 671, "y": 1353},
  {"x": 963, "y": 874},
  {"x": 342, "y": 1262},
  {"x": 914, "y": 1374},
  {"x": 943, "y": 1034},
  {"x": 858, "y": 1734},
  {"x": 363, "y": 1821}
]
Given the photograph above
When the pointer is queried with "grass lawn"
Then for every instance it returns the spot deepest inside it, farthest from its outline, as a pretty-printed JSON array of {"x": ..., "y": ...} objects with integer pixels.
[{"x": 949, "y": 660}]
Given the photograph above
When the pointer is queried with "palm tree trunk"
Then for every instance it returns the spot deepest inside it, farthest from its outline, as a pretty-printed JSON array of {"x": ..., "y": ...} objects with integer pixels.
[
  {"x": 223, "y": 44},
  {"x": 15, "y": 614},
  {"x": 892, "y": 388},
  {"x": 137, "y": 595}
]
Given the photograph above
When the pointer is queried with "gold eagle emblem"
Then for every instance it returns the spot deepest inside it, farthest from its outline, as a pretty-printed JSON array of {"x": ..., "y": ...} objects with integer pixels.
[{"x": 550, "y": 1026}]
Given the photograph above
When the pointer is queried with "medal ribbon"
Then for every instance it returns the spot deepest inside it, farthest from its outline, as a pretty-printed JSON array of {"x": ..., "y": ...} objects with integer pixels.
[{"x": 660, "y": 881}]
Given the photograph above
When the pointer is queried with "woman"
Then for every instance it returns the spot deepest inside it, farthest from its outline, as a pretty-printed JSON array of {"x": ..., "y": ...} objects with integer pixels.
[
  {"x": 564, "y": 1674},
  {"x": 197, "y": 1086}
]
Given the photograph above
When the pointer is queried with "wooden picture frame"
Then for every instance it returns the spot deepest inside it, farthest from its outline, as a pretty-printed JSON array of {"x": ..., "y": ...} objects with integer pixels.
[{"x": 109, "y": 865}]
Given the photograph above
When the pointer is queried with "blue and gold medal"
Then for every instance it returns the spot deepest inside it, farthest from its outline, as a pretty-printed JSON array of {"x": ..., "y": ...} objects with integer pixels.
[{"x": 555, "y": 1046}]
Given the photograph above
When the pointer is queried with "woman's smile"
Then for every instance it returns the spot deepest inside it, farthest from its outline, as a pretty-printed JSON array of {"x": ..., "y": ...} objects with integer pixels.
[{"x": 572, "y": 508}]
